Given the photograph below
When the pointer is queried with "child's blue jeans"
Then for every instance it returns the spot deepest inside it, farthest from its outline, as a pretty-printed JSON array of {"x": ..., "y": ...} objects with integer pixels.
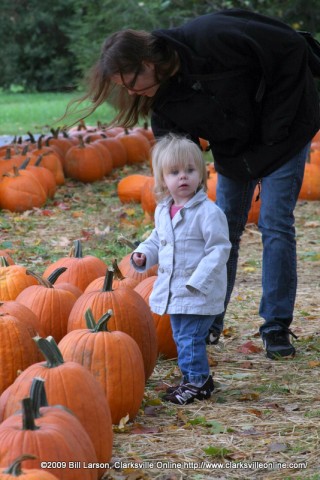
[{"x": 190, "y": 333}]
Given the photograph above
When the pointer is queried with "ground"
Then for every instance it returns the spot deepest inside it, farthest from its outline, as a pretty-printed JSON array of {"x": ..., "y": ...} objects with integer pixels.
[{"x": 262, "y": 421}]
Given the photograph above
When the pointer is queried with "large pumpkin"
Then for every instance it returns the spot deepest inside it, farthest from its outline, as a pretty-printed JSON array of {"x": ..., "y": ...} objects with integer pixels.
[
  {"x": 85, "y": 163},
  {"x": 52, "y": 435},
  {"x": 17, "y": 349},
  {"x": 130, "y": 315},
  {"x": 51, "y": 305},
  {"x": 114, "y": 359},
  {"x": 71, "y": 385}
]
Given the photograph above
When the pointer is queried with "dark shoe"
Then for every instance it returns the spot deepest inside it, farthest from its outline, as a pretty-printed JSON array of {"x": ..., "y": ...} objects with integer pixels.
[
  {"x": 213, "y": 337},
  {"x": 187, "y": 393},
  {"x": 173, "y": 388},
  {"x": 277, "y": 344}
]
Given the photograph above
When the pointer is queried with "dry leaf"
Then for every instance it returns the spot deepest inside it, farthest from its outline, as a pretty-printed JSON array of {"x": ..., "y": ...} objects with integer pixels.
[{"x": 249, "y": 347}]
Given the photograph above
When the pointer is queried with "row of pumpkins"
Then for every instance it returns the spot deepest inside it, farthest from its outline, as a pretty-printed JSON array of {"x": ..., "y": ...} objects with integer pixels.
[
  {"x": 31, "y": 170},
  {"x": 93, "y": 326},
  {"x": 139, "y": 188}
]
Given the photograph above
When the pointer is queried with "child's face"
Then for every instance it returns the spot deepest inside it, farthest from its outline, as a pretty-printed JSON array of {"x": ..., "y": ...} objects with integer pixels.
[{"x": 182, "y": 182}]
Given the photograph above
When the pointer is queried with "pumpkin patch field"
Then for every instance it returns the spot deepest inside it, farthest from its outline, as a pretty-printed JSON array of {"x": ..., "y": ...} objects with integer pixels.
[{"x": 84, "y": 362}]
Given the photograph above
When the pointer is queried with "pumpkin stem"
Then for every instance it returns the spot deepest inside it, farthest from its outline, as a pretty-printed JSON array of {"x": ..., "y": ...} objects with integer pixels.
[
  {"x": 3, "y": 262},
  {"x": 24, "y": 164},
  {"x": 41, "y": 280},
  {"x": 108, "y": 279},
  {"x": 50, "y": 351},
  {"x": 101, "y": 325},
  {"x": 39, "y": 160},
  {"x": 53, "y": 277},
  {"x": 27, "y": 415},
  {"x": 14, "y": 468},
  {"x": 77, "y": 253},
  {"x": 125, "y": 241},
  {"x": 117, "y": 272},
  {"x": 38, "y": 396}
]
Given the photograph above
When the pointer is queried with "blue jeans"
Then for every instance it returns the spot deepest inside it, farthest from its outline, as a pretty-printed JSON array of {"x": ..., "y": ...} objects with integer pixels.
[
  {"x": 279, "y": 194},
  {"x": 190, "y": 333}
]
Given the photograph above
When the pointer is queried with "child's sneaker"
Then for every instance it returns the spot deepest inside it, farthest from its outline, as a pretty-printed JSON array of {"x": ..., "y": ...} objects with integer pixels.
[{"x": 187, "y": 393}]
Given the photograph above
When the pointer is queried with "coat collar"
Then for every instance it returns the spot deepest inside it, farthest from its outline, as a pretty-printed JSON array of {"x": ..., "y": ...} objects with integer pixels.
[{"x": 199, "y": 197}]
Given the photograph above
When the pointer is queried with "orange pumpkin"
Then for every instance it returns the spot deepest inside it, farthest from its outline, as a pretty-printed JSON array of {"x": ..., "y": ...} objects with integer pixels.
[
  {"x": 310, "y": 189},
  {"x": 166, "y": 344},
  {"x": 13, "y": 279},
  {"x": 51, "y": 305},
  {"x": 130, "y": 315},
  {"x": 114, "y": 359},
  {"x": 129, "y": 188},
  {"x": 69, "y": 384},
  {"x": 14, "y": 470},
  {"x": 85, "y": 163},
  {"x": 17, "y": 349},
  {"x": 20, "y": 191},
  {"x": 80, "y": 270},
  {"x": 50, "y": 434},
  {"x": 136, "y": 145},
  {"x": 148, "y": 201}
]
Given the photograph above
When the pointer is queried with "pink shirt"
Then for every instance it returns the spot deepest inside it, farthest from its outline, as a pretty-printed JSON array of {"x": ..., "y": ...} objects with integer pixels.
[{"x": 174, "y": 209}]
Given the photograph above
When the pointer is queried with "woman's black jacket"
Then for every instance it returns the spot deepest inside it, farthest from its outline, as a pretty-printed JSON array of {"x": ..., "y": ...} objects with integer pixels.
[{"x": 245, "y": 86}]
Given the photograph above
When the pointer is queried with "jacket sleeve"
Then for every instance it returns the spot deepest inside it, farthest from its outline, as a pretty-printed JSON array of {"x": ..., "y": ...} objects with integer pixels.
[
  {"x": 217, "y": 249},
  {"x": 150, "y": 248}
]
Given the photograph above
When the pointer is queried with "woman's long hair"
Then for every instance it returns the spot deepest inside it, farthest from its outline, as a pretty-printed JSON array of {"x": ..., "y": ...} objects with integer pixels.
[{"x": 123, "y": 53}]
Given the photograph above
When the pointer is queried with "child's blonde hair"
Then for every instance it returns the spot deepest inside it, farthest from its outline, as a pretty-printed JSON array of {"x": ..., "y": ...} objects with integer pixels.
[{"x": 174, "y": 151}]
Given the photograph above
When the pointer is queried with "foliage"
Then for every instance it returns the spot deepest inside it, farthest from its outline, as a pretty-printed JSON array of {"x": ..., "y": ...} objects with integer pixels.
[
  {"x": 50, "y": 45},
  {"x": 34, "y": 44}
]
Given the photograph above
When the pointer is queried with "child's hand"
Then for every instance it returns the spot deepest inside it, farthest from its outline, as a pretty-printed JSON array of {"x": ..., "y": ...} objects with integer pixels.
[{"x": 139, "y": 259}]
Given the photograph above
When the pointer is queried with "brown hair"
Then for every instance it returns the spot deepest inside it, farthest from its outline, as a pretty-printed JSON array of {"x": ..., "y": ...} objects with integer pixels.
[{"x": 123, "y": 52}]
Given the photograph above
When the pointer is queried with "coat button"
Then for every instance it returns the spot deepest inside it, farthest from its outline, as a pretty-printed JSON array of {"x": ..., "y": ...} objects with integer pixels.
[
  {"x": 163, "y": 242},
  {"x": 161, "y": 270}
]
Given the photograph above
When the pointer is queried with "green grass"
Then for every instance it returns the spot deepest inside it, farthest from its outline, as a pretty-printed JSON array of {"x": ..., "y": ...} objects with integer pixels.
[{"x": 38, "y": 112}]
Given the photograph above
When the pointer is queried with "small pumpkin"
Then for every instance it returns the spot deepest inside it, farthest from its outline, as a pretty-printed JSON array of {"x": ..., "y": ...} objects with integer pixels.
[
  {"x": 81, "y": 270},
  {"x": 14, "y": 470}
]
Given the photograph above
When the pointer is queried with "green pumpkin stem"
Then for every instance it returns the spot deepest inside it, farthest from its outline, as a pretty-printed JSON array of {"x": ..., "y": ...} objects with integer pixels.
[
  {"x": 76, "y": 250},
  {"x": 38, "y": 396},
  {"x": 3, "y": 262},
  {"x": 14, "y": 468},
  {"x": 50, "y": 351},
  {"x": 108, "y": 279},
  {"x": 101, "y": 325},
  {"x": 53, "y": 277},
  {"x": 27, "y": 415}
]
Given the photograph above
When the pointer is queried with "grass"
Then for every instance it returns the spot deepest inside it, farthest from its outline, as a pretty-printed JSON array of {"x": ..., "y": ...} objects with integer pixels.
[{"x": 38, "y": 112}]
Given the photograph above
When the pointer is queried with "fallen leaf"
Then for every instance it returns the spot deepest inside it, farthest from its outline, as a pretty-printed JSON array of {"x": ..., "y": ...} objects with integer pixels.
[
  {"x": 137, "y": 428},
  {"x": 248, "y": 396},
  {"x": 249, "y": 347}
]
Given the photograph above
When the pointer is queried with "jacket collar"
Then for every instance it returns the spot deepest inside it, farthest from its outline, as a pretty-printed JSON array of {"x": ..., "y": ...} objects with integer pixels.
[{"x": 199, "y": 197}]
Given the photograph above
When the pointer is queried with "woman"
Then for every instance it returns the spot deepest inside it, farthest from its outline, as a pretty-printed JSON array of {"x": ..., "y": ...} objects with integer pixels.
[{"x": 241, "y": 80}]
